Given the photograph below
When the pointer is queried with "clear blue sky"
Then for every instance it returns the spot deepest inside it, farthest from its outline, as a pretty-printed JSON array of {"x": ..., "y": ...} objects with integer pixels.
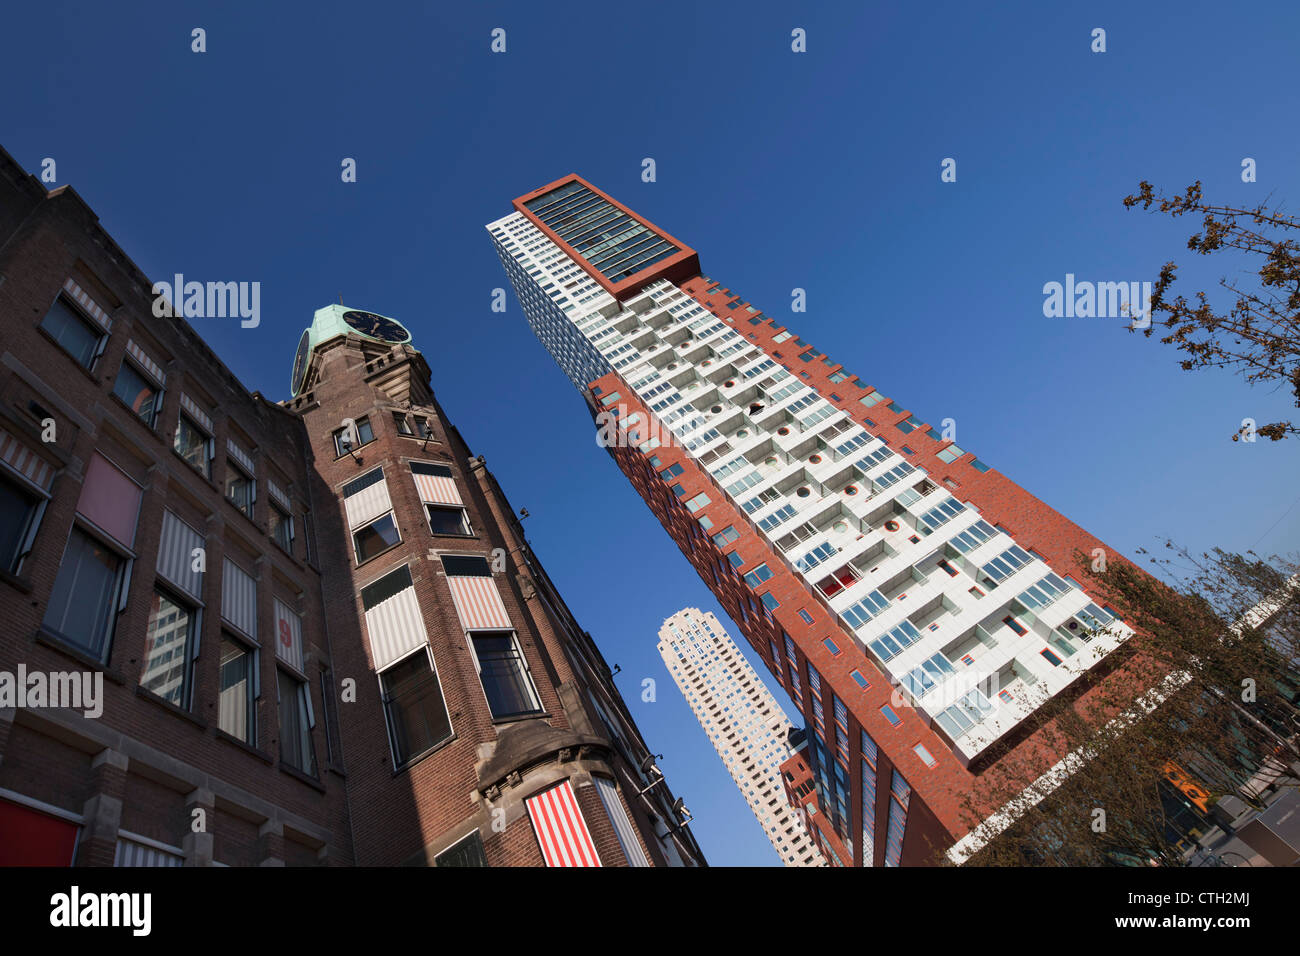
[{"x": 818, "y": 171}]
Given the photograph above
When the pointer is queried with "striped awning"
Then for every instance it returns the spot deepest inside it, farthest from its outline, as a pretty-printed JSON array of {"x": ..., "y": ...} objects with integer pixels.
[
  {"x": 147, "y": 365},
  {"x": 177, "y": 557},
  {"x": 135, "y": 853},
  {"x": 368, "y": 503},
  {"x": 244, "y": 458},
  {"x": 288, "y": 636},
  {"x": 478, "y": 603},
  {"x": 623, "y": 827},
  {"x": 83, "y": 299},
  {"x": 26, "y": 462},
  {"x": 561, "y": 830},
  {"x": 395, "y": 627},
  {"x": 278, "y": 494},
  {"x": 436, "y": 490},
  {"x": 239, "y": 598},
  {"x": 201, "y": 418}
]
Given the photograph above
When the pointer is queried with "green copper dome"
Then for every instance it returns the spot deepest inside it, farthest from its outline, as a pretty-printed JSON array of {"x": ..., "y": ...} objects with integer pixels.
[{"x": 335, "y": 320}]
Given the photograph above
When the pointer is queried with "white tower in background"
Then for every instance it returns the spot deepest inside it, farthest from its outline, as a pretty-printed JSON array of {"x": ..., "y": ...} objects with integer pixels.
[{"x": 747, "y": 726}]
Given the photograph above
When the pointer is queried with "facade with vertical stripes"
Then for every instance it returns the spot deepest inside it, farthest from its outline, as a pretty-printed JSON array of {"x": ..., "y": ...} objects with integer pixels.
[
  {"x": 917, "y": 606},
  {"x": 317, "y": 621}
]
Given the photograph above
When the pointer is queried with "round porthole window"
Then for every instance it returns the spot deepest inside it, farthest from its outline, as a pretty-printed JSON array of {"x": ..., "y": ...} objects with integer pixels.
[
  {"x": 804, "y": 492},
  {"x": 706, "y": 363},
  {"x": 783, "y": 430},
  {"x": 671, "y": 366},
  {"x": 743, "y": 433},
  {"x": 850, "y": 490},
  {"x": 814, "y": 459},
  {"x": 715, "y": 409},
  {"x": 891, "y": 525},
  {"x": 840, "y": 527},
  {"x": 770, "y": 461},
  {"x": 729, "y": 383}
]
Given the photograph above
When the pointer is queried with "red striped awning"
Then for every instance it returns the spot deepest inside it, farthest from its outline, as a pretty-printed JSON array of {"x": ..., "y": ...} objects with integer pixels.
[
  {"x": 560, "y": 829},
  {"x": 478, "y": 603},
  {"x": 26, "y": 462},
  {"x": 436, "y": 490}
]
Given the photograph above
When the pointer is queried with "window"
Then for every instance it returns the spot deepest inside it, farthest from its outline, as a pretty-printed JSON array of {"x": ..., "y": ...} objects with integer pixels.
[
  {"x": 726, "y": 536},
  {"x": 837, "y": 581},
  {"x": 447, "y": 519},
  {"x": 890, "y": 716},
  {"x": 758, "y": 575},
  {"x": 860, "y": 680},
  {"x": 463, "y": 565},
  {"x": 137, "y": 392},
  {"x": 168, "y": 650},
  {"x": 241, "y": 489},
  {"x": 84, "y": 603},
  {"x": 805, "y": 616},
  {"x": 20, "y": 514},
  {"x": 770, "y": 602},
  {"x": 282, "y": 528},
  {"x": 194, "y": 445},
  {"x": 830, "y": 645},
  {"x": 236, "y": 714},
  {"x": 364, "y": 436},
  {"x": 296, "y": 721},
  {"x": 80, "y": 337},
  {"x": 413, "y": 706},
  {"x": 1050, "y": 657},
  {"x": 1015, "y": 625},
  {"x": 375, "y": 538},
  {"x": 504, "y": 674},
  {"x": 698, "y": 502},
  {"x": 403, "y": 424},
  {"x": 925, "y": 755},
  {"x": 422, "y": 429},
  {"x": 467, "y": 852}
]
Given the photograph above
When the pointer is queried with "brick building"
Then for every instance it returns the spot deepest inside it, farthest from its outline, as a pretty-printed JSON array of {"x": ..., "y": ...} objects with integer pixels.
[
  {"x": 321, "y": 636},
  {"x": 918, "y": 606}
]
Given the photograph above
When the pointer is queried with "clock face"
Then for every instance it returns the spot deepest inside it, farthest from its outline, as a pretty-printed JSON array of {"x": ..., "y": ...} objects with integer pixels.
[
  {"x": 300, "y": 363},
  {"x": 376, "y": 326}
]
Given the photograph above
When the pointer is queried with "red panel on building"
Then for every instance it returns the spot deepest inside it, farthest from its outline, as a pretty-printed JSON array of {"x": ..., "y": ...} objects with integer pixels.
[{"x": 31, "y": 838}]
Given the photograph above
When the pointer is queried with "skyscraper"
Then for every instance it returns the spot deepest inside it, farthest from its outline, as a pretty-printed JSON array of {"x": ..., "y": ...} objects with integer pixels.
[
  {"x": 744, "y": 722},
  {"x": 316, "y": 625},
  {"x": 918, "y": 606}
]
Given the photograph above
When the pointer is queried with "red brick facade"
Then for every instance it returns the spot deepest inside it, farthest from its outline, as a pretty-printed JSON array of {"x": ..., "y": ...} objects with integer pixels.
[
  {"x": 939, "y": 813},
  {"x": 166, "y": 776}
]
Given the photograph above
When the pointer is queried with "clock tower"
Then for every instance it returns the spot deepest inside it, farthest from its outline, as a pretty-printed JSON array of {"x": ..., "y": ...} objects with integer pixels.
[{"x": 336, "y": 320}]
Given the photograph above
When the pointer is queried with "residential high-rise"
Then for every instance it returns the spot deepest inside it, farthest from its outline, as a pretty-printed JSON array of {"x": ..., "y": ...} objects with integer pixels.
[
  {"x": 317, "y": 622},
  {"x": 744, "y": 722},
  {"x": 917, "y": 605}
]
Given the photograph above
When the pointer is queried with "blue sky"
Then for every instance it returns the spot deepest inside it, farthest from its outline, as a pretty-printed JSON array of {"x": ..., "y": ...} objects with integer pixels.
[{"x": 816, "y": 170}]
